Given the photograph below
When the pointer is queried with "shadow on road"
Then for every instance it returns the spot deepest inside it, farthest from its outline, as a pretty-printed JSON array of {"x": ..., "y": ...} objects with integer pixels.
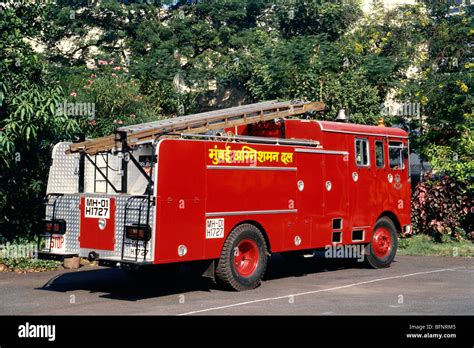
[
  {"x": 280, "y": 267},
  {"x": 118, "y": 284}
]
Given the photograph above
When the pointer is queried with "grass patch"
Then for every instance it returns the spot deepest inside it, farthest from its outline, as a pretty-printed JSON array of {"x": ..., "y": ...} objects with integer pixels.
[
  {"x": 27, "y": 265},
  {"x": 424, "y": 245}
]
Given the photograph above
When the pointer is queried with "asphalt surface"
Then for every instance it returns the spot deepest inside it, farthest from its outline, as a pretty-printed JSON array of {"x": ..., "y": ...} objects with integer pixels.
[{"x": 412, "y": 286}]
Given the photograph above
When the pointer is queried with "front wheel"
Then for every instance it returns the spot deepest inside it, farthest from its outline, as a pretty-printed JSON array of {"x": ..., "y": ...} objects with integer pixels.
[
  {"x": 383, "y": 246},
  {"x": 243, "y": 259}
]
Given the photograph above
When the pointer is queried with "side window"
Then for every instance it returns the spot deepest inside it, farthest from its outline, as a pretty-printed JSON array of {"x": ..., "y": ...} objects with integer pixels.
[
  {"x": 395, "y": 152},
  {"x": 379, "y": 154},
  {"x": 362, "y": 152}
]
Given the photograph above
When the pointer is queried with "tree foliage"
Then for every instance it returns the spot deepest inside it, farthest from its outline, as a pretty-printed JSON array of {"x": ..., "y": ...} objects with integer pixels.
[
  {"x": 170, "y": 58},
  {"x": 307, "y": 17},
  {"x": 444, "y": 87}
]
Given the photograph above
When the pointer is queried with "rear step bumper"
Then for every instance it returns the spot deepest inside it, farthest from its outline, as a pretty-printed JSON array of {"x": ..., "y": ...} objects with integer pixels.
[
  {"x": 45, "y": 255},
  {"x": 124, "y": 264}
]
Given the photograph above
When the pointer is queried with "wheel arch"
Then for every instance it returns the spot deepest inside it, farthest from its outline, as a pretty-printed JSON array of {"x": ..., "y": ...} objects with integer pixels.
[
  {"x": 260, "y": 227},
  {"x": 392, "y": 216}
]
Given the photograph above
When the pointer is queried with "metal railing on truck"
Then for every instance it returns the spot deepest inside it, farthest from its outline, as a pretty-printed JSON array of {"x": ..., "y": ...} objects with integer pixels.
[
  {"x": 50, "y": 200},
  {"x": 142, "y": 204}
]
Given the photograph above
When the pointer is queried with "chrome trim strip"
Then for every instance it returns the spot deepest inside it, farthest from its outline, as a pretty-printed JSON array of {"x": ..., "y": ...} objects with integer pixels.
[
  {"x": 290, "y": 169},
  {"x": 327, "y": 152},
  {"x": 251, "y": 212}
]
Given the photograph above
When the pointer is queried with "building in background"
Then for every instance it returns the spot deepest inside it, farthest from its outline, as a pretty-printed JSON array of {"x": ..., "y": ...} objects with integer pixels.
[{"x": 370, "y": 5}]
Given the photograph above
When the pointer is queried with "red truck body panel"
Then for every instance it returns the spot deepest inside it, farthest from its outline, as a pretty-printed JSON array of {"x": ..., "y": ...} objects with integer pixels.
[
  {"x": 282, "y": 189},
  {"x": 92, "y": 236}
]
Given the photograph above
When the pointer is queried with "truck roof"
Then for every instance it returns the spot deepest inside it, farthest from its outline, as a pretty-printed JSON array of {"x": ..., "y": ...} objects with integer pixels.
[{"x": 351, "y": 128}]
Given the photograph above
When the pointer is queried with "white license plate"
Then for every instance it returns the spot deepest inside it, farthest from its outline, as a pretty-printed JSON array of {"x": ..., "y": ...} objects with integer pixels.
[
  {"x": 97, "y": 208},
  {"x": 214, "y": 228},
  {"x": 131, "y": 251}
]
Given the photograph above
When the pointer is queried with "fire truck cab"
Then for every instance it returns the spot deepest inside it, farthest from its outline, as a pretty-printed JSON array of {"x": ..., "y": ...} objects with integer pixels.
[{"x": 232, "y": 199}]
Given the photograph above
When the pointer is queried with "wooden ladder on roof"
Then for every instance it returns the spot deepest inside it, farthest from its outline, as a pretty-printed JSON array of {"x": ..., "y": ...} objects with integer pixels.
[{"x": 131, "y": 136}]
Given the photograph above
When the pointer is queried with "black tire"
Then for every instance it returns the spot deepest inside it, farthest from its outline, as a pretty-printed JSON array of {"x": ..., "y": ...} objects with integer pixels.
[
  {"x": 374, "y": 251},
  {"x": 227, "y": 274}
]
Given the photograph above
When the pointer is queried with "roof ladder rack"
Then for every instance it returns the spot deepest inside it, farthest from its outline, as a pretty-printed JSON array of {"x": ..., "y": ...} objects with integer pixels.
[{"x": 197, "y": 123}]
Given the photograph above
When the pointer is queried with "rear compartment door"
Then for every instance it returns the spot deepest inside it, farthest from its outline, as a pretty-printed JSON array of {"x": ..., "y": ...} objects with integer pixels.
[
  {"x": 97, "y": 222},
  {"x": 309, "y": 199}
]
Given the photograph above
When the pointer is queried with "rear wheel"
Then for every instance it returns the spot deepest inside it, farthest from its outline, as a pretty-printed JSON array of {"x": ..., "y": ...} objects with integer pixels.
[
  {"x": 243, "y": 259},
  {"x": 383, "y": 246}
]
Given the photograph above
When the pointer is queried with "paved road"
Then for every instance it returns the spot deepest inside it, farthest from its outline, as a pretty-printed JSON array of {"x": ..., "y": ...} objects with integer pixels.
[{"x": 412, "y": 285}]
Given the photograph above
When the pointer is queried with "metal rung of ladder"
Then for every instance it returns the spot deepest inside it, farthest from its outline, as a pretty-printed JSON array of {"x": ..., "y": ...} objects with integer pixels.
[
  {"x": 51, "y": 200},
  {"x": 197, "y": 123},
  {"x": 102, "y": 168},
  {"x": 144, "y": 207}
]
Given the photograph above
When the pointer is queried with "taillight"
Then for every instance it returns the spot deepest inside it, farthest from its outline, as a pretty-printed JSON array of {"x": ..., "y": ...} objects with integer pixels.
[
  {"x": 54, "y": 226},
  {"x": 136, "y": 232}
]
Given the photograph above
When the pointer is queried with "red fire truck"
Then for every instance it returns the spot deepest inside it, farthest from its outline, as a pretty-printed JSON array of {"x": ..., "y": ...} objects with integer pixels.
[{"x": 178, "y": 190}]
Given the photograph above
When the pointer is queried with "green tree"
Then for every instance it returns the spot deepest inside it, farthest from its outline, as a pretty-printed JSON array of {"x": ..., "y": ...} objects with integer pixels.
[
  {"x": 444, "y": 89},
  {"x": 314, "y": 17},
  {"x": 28, "y": 121}
]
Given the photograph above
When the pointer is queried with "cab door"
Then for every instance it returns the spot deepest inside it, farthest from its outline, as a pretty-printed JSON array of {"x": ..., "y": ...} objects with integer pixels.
[
  {"x": 362, "y": 185},
  {"x": 380, "y": 172}
]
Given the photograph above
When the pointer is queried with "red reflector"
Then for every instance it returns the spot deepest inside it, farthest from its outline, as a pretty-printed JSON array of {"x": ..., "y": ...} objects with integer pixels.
[{"x": 54, "y": 226}]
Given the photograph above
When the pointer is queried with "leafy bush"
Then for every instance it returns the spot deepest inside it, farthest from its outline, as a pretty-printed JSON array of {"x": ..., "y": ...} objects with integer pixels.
[
  {"x": 23, "y": 265},
  {"x": 458, "y": 160},
  {"x": 32, "y": 117},
  {"x": 441, "y": 207}
]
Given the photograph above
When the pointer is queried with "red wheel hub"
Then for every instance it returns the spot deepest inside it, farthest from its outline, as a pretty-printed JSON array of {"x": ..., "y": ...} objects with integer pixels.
[
  {"x": 246, "y": 257},
  {"x": 382, "y": 242}
]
